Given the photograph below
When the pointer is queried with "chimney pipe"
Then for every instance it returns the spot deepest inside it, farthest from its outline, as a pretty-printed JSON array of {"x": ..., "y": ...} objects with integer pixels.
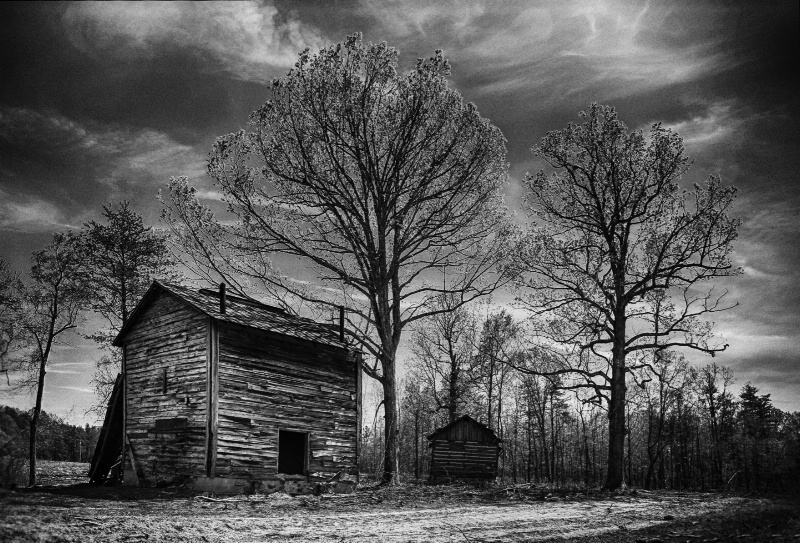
[
  {"x": 341, "y": 323},
  {"x": 222, "y": 298}
]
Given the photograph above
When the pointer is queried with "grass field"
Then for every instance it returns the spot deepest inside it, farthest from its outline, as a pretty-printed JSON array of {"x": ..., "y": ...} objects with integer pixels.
[{"x": 79, "y": 512}]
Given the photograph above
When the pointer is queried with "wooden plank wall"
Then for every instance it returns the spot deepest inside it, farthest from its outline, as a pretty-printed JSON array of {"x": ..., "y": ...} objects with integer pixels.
[
  {"x": 167, "y": 431},
  {"x": 269, "y": 382},
  {"x": 463, "y": 460}
]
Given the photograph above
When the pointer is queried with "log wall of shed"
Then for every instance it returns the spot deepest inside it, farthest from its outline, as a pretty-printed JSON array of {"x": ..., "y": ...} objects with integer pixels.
[
  {"x": 463, "y": 460},
  {"x": 165, "y": 373},
  {"x": 270, "y": 382}
]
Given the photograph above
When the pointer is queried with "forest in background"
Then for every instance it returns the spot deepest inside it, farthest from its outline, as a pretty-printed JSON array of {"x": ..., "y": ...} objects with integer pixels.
[
  {"x": 691, "y": 429},
  {"x": 58, "y": 439}
]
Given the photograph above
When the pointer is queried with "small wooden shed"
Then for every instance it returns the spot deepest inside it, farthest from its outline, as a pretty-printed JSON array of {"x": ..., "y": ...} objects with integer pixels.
[
  {"x": 226, "y": 394},
  {"x": 464, "y": 450}
]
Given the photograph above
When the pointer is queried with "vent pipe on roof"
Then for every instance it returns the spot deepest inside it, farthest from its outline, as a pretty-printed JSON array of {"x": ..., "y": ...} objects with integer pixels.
[
  {"x": 341, "y": 323},
  {"x": 222, "y": 298}
]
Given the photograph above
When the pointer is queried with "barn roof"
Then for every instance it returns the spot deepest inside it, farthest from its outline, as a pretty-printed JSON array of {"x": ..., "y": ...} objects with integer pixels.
[
  {"x": 242, "y": 311},
  {"x": 455, "y": 430}
]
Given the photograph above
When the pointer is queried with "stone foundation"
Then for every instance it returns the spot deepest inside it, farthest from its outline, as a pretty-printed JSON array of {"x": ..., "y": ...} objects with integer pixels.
[{"x": 293, "y": 485}]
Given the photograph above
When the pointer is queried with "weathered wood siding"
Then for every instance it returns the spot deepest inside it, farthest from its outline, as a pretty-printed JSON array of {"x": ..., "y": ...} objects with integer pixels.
[
  {"x": 452, "y": 459},
  {"x": 270, "y": 382},
  {"x": 166, "y": 430}
]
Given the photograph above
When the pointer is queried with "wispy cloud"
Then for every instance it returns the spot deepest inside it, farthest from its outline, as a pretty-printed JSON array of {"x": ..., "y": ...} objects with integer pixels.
[
  {"x": 241, "y": 38},
  {"x": 613, "y": 47},
  {"x": 19, "y": 213},
  {"x": 718, "y": 123},
  {"x": 85, "y": 390}
]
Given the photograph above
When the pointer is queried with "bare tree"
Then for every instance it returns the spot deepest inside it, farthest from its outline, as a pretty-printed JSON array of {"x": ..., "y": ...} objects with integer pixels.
[
  {"x": 373, "y": 181},
  {"x": 443, "y": 345},
  {"x": 496, "y": 353},
  {"x": 51, "y": 306},
  {"x": 619, "y": 255},
  {"x": 659, "y": 397},
  {"x": 712, "y": 382}
]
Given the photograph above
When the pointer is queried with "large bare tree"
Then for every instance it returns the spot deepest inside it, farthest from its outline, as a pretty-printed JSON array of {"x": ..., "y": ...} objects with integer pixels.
[
  {"x": 620, "y": 257},
  {"x": 371, "y": 182}
]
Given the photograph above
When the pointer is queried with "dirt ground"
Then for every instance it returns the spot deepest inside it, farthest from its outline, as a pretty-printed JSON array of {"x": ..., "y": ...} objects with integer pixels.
[{"x": 79, "y": 512}]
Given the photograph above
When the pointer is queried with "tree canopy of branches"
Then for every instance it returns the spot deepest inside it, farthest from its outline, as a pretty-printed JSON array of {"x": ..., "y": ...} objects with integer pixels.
[
  {"x": 442, "y": 345},
  {"x": 52, "y": 304},
  {"x": 619, "y": 255},
  {"x": 496, "y": 352},
  {"x": 121, "y": 258},
  {"x": 374, "y": 181}
]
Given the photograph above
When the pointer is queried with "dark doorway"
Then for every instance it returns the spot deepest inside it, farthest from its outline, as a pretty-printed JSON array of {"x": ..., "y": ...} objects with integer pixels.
[{"x": 292, "y": 447}]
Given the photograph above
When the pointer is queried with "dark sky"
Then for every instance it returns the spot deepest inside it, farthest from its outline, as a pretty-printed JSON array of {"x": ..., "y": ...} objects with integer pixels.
[{"x": 101, "y": 102}]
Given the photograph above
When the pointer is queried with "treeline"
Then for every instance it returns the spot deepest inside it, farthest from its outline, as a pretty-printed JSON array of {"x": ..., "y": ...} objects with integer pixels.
[
  {"x": 57, "y": 439},
  {"x": 687, "y": 427}
]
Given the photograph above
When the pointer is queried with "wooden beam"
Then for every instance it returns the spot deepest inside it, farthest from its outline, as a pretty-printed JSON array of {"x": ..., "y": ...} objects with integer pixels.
[
  {"x": 124, "y": 409},
  {"x": 212, "y": 396},
  {"x": 132, "y": 458}
]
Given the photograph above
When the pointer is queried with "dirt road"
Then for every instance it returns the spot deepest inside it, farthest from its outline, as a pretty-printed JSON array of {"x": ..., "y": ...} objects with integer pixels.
[
  {"x": 70, "y": 510},
  {"x": 411, "y": 514}
]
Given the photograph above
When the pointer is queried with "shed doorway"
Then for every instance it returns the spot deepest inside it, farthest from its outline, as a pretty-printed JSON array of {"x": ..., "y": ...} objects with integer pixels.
[{"x": 292, "y": 452}]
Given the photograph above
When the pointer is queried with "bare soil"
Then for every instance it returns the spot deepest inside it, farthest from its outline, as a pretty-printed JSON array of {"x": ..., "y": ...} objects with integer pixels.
[{"x": 79, "y": 512}]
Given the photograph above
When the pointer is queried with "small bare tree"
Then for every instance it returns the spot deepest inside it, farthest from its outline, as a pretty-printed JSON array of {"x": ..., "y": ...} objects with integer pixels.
[
  {"x": 52, "y": 304},
  {"x": 443, "y": 346},
  {"x": 373, "y": 181},
  {"x": 619, "y": 256}
]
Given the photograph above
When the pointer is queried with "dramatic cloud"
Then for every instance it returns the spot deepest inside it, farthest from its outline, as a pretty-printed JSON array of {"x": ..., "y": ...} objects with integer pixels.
[
  {"x": 106, "y": 101},
  {"x": 94, "y": 164},
  {"x": 241, "y": 38}
]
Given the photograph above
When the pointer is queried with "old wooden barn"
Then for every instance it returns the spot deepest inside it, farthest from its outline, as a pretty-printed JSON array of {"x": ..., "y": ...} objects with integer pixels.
[
  {"x": 464, "y": 450},
  {"x": 226, "y": 394}
]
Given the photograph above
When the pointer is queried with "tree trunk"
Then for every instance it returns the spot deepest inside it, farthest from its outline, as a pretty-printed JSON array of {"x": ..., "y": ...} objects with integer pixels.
[
  {"x": 391, "y": 452},
  {"x": 630, "y": 449},
  {"x": 489, "y": 394},
  {"x": 585, "y": 451},
  {"x": 416, "y": 445},
  {"x": 37, "y": 410},
  {"x": 452, "y": 390},
  {"x": 615, "y": 477},
  {"x": 530, "y": 449}
]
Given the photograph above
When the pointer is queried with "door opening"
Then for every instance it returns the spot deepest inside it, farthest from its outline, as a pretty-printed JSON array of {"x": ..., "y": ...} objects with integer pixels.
[{"x": 292, "y": 452}]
